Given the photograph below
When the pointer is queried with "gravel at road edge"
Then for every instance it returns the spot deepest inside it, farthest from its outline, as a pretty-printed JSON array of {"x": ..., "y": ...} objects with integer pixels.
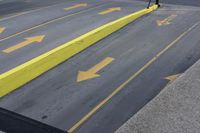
[{"x": 175, "y": 110}]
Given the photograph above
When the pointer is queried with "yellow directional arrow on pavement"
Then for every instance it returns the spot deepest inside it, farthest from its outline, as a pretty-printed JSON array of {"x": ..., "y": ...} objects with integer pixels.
[
  {"x": 76, "y": 6},
  {"x": 92, "y": 72},
  {"x": 27, "y": 41},
  {"x": 2, "y": 29},
  {"x": 110, "y": 10},
  {"x": 166, "y": 21},
  {"x": 172, "y": 77}
]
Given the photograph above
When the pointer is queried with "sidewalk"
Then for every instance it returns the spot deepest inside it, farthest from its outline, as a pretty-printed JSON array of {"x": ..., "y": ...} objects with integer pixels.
[{"x": 175, "y": 110}]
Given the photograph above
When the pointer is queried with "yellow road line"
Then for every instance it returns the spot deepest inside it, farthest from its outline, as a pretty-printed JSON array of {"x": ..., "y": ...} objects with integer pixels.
[
  {"x": 49, "y": 22},
  {"x": 87, "y": 116},
  {"x": 24, "y": 73}
]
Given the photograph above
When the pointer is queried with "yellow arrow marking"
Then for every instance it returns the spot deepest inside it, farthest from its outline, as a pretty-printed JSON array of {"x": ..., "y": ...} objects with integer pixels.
[
  {"x": 2, "y": 29},
  {"x": 76, "y": 6},
  {"x": 135, "y": 75},
  {"x": 166, "y": 21},
  {"x": 91, "y": 73},
  {"x": 27, "y": 41},
  {"x": 172, "y": 77},
  {"x": 110, "y": 10}
]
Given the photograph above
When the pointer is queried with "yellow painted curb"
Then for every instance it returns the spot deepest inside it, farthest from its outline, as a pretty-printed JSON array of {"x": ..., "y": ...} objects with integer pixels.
[{"x": 24, "y": 73}]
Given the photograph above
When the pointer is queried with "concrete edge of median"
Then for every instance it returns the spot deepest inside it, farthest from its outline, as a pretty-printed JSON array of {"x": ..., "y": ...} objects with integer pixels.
[
  {"x": 176, "y": 109},
  {"x": 20, "y": 75}
]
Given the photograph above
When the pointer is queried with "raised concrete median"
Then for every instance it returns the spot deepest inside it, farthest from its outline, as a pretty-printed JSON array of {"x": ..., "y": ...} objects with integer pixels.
[
  {"x": 24, "y": 73},
  {"x": 175, "y": 110}
]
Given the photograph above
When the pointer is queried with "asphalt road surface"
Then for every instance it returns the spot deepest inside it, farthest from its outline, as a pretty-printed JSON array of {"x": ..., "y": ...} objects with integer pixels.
[
  {"x": 56, "y": 25},
  {"x": 183, "y": 2},
  {"x": 11, "y": 7},
  {"x": 178, "y": 2},
  {"x": 131, "y": 64}
]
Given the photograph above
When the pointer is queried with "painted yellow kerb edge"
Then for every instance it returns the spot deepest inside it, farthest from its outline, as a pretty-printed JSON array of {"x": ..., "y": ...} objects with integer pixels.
[{"x": 24, "y": 73}]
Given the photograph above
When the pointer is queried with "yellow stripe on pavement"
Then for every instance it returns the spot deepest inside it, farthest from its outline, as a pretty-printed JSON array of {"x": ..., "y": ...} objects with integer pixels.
[{"x": 117, "y": 90}]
